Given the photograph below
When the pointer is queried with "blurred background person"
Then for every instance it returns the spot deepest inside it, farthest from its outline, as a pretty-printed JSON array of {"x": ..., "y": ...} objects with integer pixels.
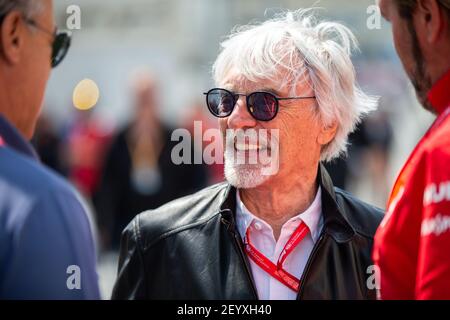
[
  {"x": 48, "y": 143},
  {"x": 139, "y": 173},
  {"x": 196, "y": 116},
  {"x": 369, "y": 157},
  {"x": 47, "y": 248},
  {"x": 86, "y": 143}
]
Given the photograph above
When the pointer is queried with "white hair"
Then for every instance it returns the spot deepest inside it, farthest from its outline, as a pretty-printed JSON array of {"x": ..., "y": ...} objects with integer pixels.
[
  {"x": 295, "y": 43},
  {"x": 27, "y": 7}
]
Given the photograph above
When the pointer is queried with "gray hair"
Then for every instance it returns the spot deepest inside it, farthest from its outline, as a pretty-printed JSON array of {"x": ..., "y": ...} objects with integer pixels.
[
  {"x": 28, "y": 7},
  {"x": 294, "y": 42}
]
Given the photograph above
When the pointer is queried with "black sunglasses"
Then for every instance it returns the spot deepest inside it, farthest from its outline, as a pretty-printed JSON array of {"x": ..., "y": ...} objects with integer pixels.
[
  {"x": 263, "y": 106},
  {"x": 61, "y": 42}
]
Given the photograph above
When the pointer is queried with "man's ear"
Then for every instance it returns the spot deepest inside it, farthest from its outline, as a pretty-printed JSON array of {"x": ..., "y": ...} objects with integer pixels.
[
  {"x": 11, "y": 37},
  {"x": 327, "y": 133},
  {"x": 430, "y": 18}
]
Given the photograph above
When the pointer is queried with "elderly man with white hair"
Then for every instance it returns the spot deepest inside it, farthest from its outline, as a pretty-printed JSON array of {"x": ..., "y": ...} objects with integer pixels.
[{"x": 286, "y": 98}]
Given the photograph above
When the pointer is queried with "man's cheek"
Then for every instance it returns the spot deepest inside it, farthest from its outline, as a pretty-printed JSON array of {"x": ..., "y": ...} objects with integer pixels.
[
  {"x": 223, "y": 131},
  {"x": 400, "y": 35}
]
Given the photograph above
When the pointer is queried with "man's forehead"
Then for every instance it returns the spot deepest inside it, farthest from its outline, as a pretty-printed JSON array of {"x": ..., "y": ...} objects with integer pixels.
[
  {"x": 45, "y": 5},
  {"x": 281, "y": 85},
  {"x": 239, "y": 82},
  {"x": 45, "y": 11}
]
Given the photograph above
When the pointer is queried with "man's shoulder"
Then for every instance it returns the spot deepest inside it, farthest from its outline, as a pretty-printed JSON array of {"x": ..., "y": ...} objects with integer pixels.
[
  {"x": 184, "y": 213},
  {"x": 42, "y": 215},
  {"x": 25, "y": 184},
  {"x": 363, "y": 217},
  {"x": 29, "y": 175}
]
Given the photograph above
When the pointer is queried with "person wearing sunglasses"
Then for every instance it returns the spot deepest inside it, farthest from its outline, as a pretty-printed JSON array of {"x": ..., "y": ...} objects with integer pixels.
[
  {"x": 47, "y": 248},
  {"x": 281, "y": 234}
]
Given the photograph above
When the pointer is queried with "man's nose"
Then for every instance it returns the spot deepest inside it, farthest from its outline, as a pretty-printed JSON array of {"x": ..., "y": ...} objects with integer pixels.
[{"x": 240, "y": 118}]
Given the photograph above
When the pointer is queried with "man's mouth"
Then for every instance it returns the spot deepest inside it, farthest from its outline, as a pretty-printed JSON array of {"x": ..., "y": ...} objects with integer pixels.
[{"x": 248, "y": 147}]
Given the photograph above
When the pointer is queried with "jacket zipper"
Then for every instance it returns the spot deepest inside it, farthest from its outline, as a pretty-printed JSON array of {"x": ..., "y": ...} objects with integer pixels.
[{"x": 308, "y": 264}]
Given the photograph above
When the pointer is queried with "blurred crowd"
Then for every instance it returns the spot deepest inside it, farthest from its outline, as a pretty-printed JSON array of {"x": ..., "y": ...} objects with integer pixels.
[{"x": 126, "y": 170}]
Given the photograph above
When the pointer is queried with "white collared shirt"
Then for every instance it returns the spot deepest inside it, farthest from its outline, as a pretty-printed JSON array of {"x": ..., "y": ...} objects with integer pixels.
[{"x": 262, "y": 238}]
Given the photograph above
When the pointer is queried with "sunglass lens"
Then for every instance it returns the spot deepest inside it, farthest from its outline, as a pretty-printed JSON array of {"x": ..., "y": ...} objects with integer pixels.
[
  {"x": 263, "y": 106},
  {"x": 220, "y": 102},
  {"x": 60, "y": 48}
]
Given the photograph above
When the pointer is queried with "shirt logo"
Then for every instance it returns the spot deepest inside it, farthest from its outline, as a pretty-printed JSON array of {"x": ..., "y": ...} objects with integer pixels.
[
  {"x": 436, "y": 194},
  {"x": 436, "y": 225}
]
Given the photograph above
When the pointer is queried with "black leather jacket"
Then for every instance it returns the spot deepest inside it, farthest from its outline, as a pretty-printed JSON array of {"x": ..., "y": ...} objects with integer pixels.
[{"x": 190, "y": 249}]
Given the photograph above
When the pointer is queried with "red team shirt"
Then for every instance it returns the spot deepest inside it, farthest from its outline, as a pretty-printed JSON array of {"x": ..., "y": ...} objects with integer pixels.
[{"x": 412, "y": 244}]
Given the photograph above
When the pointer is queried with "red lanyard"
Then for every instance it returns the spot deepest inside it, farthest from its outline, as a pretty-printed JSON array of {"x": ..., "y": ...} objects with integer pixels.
[
  {"x": 2, "y": 143},
  {"x": 277, "y": 270}
]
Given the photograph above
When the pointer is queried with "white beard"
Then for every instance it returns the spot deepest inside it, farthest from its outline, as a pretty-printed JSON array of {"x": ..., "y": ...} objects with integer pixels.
[{"x": 244, "y": 175}]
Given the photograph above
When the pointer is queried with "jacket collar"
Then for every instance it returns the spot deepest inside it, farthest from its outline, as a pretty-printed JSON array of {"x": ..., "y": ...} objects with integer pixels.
[
  {"x": 439, "y": 95},
  {"x": 13, "y": 139},
  {"x": 335, "y": 220},
  {"x": 336, "y": 223}
]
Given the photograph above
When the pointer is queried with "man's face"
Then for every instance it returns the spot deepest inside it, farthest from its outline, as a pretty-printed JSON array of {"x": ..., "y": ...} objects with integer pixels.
[
  {"x": 295, "y": 136},
  {"x": 408, "y": 49},
  {"x": 35, "y": 65}
]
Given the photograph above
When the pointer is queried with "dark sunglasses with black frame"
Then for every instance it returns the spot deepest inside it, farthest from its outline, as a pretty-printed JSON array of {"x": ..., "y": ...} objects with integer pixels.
[
  {"x": 61, "y": 40},
  {"x": 262, "y": 106}
]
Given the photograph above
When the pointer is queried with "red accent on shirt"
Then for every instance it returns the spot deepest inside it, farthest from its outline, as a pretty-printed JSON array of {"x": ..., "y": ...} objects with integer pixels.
[{"x": 439, "y": 95}]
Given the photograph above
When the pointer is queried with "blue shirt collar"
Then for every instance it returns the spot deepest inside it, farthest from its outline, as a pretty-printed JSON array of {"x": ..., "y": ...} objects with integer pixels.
[{"x": 15, "y": 140}]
